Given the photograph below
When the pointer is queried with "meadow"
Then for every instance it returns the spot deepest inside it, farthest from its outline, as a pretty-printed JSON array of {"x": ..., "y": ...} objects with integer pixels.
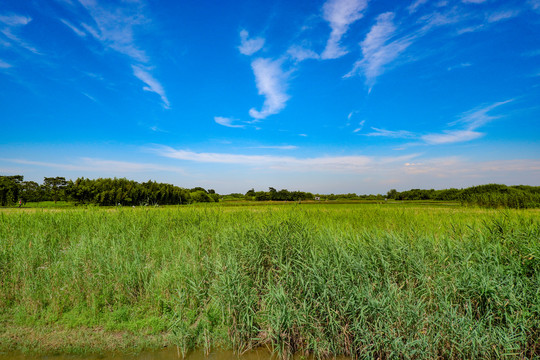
[{"x": 364, "y": 280}]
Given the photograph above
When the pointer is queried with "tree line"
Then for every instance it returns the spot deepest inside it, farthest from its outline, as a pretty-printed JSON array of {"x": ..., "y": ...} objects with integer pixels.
[
  {"x": 121, "y": 191},
  {"x": 490, "y": 195},
  {"x": 274, "y": 195},
  {"x": 102, "y": 191}
]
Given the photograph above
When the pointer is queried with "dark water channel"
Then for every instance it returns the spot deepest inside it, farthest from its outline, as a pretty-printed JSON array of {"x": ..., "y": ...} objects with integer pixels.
[{"x": 165, "y": 354}]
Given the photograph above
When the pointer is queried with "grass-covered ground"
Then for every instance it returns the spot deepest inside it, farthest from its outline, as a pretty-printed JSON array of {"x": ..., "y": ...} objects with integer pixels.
[{"x": 365, "y": 280}]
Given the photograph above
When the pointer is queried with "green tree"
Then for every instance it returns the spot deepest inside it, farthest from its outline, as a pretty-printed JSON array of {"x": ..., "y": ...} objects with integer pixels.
[
  {"x": 55, "y": 186},
  {"x": 9, "y": 189}
]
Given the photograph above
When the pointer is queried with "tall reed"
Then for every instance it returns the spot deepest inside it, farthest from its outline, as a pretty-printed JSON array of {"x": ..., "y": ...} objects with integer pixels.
[{"x": 366, "y": 281}]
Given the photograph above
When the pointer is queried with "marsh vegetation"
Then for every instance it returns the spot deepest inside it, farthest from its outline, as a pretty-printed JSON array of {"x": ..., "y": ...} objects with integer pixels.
[{"x": 361, "y": 280}]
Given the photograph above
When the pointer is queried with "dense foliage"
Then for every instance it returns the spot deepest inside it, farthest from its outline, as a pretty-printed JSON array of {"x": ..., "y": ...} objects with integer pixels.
[
  {"x": 490, "y": 195},
  {"x": 363, "y": 280},
  {"x": 281, "y": 195},
  {"x": 109, "y": 192},
  {"x": 105, "y": 192}
]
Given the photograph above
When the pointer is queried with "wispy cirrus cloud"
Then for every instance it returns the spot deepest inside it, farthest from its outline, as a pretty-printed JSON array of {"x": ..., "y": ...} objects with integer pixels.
[
  {"x": 4, "y": 65},
  {"x": 87, "y": 164},
  {"x": 249, "y": 46},
  {"x": 360, "y": 126},
  {"x": 451, "y": 136},
  {"x": 275, "y": 147},
  {"x": 10, "y": 25},
  {"x": 340, "y": 14},
  {"x": 471, "y": 120},
  {"x": 271, "y": 82},
  {"x": 459, "y": 66},
  {"x": 13, "y": 20},
  {"x": 415, "y": 5},
  {"x": 114, "y": 28},
  {"x": 152, "y": 84},
  {"x": 228, "y": 122},
  {"x": 287, "y": 163},
  {"x": 480, "y": 116},
  {"x": 502, "y": 15},
  {"x": 75, "y": 29},
  {"x": 379, "y": 49},
  {"x": 399, "y": 134},
  {"x": 300, "y": 53}
]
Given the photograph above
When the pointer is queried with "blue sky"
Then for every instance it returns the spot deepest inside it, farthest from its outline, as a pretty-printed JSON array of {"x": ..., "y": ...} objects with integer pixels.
[{"x": 323, "y": 96}]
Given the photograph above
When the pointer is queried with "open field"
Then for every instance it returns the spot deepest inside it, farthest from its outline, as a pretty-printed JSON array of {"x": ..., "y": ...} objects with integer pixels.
[{"x": 365, "y": 280}]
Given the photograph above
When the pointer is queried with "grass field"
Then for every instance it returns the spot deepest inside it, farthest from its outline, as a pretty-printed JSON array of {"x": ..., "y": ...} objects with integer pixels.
[{"x": 362, "y": 280}]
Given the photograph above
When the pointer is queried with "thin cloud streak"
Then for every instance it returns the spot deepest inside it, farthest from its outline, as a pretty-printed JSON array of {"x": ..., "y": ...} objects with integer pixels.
[
  {"x": 14, "y": 20},
  {"x": 228, "y": 122},
  {"x": 4, "y": 65},
  {"x": 286, "y": 163},
  {"x": 471, "y": 120},
  {"x": 276, "y": 147},
  {"x": 415, "y": 5},
  {"x": 399, "y": 134},
  {"x": 75, "y": 29},
  {"x": 475, "y": 118},
  {"x": 12, "y": 23},
  {"x": 451, "y": 136},
  {"x": 152, "y": 84},
  {"x": 96, "y": 165}
]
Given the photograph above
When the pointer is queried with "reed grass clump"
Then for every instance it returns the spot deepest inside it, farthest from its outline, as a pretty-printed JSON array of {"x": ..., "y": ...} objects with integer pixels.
[{"x": 366, "y": 281}]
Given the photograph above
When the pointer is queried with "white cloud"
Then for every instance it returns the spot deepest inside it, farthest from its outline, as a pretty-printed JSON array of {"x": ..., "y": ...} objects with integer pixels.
[
  {"x": 14, "y": 20},
  {"x": 286, "y": 163},
  {"x": 340, "y": 14},
  {"x": 276, "y": 147},
  {"x": 471, "y": 120},
  {"x": 451, "y": 136},
  {"x": 115, "y": 28},
  {"x": 377, "y": 49},
  {"x": 535, "y": 4},
  {"x": 459, "y": 66},
  {"x": 478, "y": 117},
  {"x": 12, "y": 23},
  {"x": 90, "y": 97},
  {"x": 152, "y": 84},
  {"x": 360, "y": 126},
  {"x": 100, "y": 165},
  {"x": 516, "y": 171},
  {"x": 228, "y": 122},
  {"x": 75, "y": 29},
  {"x": 20, "y": 42},
  {"x": 437, "y": 19},
  {"x": 299, "y": 53},
  {"x": 415, "y": 5},
  {"x": 502, "y": 15},
  {"x": 249, "y": 46},
  {"x": 473, "y": 1},
  {"x": 469, "y": 29},
  {"x": 4, "y": 65},
  {"x": 400, "y": 134},
  {"x": 271, "y": 82}
]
